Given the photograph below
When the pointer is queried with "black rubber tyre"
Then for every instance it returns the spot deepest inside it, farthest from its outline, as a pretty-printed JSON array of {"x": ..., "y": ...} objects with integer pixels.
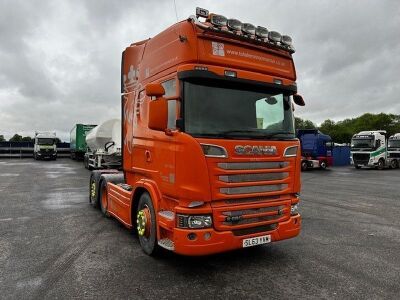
[
  {"x": 381, "y": 164},
  {"x": 304, "y": 165},
  {"x": 323, "y": 165},
  {"x": 149, "y": 244},
  {"x": 94, "y": 189},
  {"x": 394, "y": 164},
  {"x": 357, "y": 166},
  {"x": 103, "y": 198}
]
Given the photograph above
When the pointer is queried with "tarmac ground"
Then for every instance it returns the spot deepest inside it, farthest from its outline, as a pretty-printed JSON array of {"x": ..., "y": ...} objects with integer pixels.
[{"x": 53, "y": 244}]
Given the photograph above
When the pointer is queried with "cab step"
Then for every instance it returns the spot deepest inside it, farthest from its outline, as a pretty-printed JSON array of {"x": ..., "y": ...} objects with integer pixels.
[{"x": 166, "y": 244}]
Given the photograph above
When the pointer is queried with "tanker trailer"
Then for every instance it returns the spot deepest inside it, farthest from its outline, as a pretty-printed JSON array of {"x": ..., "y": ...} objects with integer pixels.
[{"x": 104, "y": 146}]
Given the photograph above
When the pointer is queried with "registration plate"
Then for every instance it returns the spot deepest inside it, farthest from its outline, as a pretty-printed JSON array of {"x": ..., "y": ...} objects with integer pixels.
[{"x": 259, "y": 240}]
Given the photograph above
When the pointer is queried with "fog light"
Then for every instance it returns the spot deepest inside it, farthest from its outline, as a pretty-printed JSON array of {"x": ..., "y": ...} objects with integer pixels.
[
  {"x": 191, "y": 236},
  {"x": 294, "y": 209}
]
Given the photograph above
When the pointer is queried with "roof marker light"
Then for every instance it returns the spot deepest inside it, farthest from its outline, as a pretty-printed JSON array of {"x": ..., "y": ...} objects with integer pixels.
[
  {"x": 261, "y": 32},
  {"x": 201, "y": 12},
  {"x": 274, "y": 36},
  {"x": 234, "y": 24},
  {"x": 248, "y": 28},
  {"x": 286, "y": 40},
  {"x": 218, "y": 20}
]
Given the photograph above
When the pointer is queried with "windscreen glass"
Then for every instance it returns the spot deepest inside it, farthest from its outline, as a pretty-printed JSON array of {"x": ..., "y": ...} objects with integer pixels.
[
  {"x": 362, "y": 143},
  {"x": 394, "y": 143},
  {"x": 45, "y": 141},
  {"x": 229, "y": 112}
]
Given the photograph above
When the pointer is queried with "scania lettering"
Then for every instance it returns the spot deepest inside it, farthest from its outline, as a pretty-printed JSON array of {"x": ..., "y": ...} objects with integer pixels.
[
  {"x": 368, "y": 149},
  {"x": 210, "y": 158}
]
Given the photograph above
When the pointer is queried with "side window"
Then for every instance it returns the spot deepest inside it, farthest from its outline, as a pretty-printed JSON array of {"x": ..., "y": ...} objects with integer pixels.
[{"x": 170, "y": 91}]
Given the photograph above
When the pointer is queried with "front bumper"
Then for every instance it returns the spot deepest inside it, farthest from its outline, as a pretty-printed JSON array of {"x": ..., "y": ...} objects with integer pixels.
[{"x": 221, "y": 241}]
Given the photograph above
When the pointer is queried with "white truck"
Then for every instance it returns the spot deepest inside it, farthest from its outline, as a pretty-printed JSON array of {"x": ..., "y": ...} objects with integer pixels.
[
  {"x": 368, "y": 149},
  {"x": 45, "y": 145},
  {"x": 104, "y": 146},
  {"x": 394, "y": 151}
]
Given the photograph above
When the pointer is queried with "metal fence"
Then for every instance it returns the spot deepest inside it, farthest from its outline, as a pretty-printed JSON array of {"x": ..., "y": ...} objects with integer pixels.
[{"x": 25, "y": 149}]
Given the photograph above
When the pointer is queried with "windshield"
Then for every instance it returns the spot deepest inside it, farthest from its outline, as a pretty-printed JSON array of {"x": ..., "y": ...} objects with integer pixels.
[
  {"x": 394, "y": 144},
  {"x": 230, "y": 112},
  {"x": 45, "y": 141},
  {"x": 362, "y": 143}
]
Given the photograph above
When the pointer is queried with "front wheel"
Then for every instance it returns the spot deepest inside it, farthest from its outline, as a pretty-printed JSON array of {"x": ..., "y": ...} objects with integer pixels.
[
  {"x": 381, "y": 164},
  {"x": 103, "y": 198},
  {"x": 323, "y": 165},
  {"x": 394, "y": 164},
  {"x": 304, "y": 165},
  {"x": 146, "y": 225}
]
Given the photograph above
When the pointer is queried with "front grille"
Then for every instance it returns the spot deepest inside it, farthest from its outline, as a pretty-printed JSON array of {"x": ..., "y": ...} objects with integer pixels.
[
  {"x": 394, "y": 155},
  {"x": 253, "y": 189},
  {"x": 361, "y": 158},
  {"x": 254, "y": 177},
  {"x": 258, "y": 229},
  {"x": 253, "y": 165},
  {"x": 252, "y": 199}
]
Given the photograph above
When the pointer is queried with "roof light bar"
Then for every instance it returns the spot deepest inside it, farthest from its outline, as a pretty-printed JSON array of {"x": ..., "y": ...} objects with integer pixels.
[
  {"x": 218, "y": 20},
  {"x": 234, "y": 24},
  {"x": 248, "y": 28},
  {"x": 261, "y": 32}
]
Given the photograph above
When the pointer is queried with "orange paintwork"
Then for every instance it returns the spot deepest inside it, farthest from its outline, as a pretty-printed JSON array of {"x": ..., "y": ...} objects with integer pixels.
[{"x": 171, "y": 165}]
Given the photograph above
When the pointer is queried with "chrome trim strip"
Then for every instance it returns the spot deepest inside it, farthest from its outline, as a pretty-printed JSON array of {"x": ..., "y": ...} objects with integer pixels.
[
  {"x": 254, "y": 177},
  {"x": 253, "y": 189},
  {"x": 253, "y": 165}
]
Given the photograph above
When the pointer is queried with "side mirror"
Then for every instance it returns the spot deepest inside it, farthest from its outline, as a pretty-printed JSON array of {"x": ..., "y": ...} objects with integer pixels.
[
  {"x": 158, "y": 113},
  {"x": 155, "y": 90},
  {"x": 298, "y": 99}
]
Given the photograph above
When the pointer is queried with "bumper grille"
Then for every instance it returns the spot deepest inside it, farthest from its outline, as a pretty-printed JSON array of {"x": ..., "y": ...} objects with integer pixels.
[{"x": 361, "y": 158}]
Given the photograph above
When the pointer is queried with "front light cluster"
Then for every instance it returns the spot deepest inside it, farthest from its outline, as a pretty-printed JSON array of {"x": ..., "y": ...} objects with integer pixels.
[
  {"x": 294, "y": 209},
  {"x": 194, "y": 222}
]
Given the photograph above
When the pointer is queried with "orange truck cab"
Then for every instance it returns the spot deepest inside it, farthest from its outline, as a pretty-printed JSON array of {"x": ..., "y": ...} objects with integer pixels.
[{"x": 211, "y": 161}]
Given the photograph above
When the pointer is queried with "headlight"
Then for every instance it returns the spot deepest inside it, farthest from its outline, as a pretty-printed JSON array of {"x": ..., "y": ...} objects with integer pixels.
[
  {"x": 194, "y": 222},
  {"x": 274, "y": 36},
  {"x": 248, "y": 28},
  {"x": 294, "y": 209},
  {"x": 234, "y": 24},
  {"x": 218, "y": 20}
]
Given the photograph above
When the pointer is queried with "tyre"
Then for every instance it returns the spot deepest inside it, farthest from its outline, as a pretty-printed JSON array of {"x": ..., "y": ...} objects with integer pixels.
[
  {"x": 103, "y": 198},
  {"x": 394, "y": 164},
  {"x": 304, "y": 165},
  {"x": 381, "y": 164},
  {"x": 323, "y": 165},
  {"x": 357, "y": 166},
  {"x": 94, "y": 189},
  {"x": 146, "y": 225}
]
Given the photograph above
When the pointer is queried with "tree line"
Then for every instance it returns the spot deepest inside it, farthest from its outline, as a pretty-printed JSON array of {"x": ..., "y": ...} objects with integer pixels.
[
  {"x": 342, "y": 131},
  {"x": 19, "y": 138}
]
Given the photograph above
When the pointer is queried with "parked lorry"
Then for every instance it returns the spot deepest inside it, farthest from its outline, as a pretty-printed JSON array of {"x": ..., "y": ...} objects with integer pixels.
[
  {"x": 394, "y": 151},
  {"x": 211, "y": 161},
  {"x": 77, "y": 143},
  {"x": 368, "y": 149},
  {"x": 316, "y": 149},
  {"x": 104, "y": 146},
  {"x": 45, "y": 145}
]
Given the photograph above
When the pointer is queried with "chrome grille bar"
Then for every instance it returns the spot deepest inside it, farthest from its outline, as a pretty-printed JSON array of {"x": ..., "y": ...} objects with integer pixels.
[
  {"x": 253, "y": 165},
  {"x": 252, "y": 189},
  {"x": 253, "y": 177}
]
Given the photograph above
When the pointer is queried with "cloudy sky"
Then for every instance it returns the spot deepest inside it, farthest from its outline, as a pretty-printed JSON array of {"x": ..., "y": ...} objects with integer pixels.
[{"x": 60, "y": 60}]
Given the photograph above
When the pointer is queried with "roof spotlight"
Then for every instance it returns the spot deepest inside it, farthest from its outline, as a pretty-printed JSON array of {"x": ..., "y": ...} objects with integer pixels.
[
  {"x": 248, "y": 28},
  {"x": 234, "y": 24},
  {"x": 261, "y": 32},
  {"x": 274, "y": 36},
  {"x": 201, "y": 12},
  {"x": 286, "y": 40},
  {"x": 218, "y": 20}
]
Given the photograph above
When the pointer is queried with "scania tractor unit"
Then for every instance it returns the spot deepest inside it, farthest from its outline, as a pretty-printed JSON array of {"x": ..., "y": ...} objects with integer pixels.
[
  {"x": 316, "y": 149},
  {"x": 211, "y": 161},
  {"x": 45, "y": 145},
  {"x": 394, "y": 151},
  {"x": 368, "y": 149}
]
